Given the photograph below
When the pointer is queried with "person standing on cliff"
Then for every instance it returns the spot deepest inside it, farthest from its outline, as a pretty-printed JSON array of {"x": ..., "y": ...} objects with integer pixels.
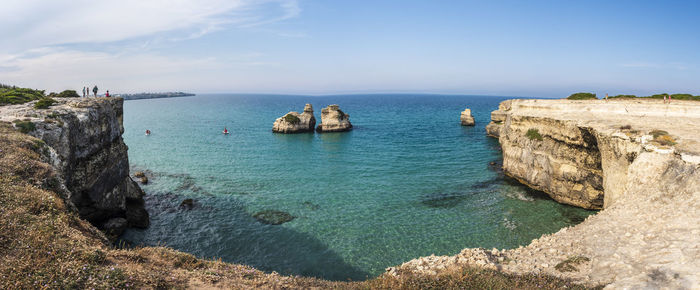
[
  {"x": 94, "y": 90},
  {"x": 83, "y": 92},
  {"x": 107, "y": 94}
]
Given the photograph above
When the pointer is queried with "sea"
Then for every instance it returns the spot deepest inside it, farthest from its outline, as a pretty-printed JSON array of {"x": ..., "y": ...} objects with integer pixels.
[{"x": 408, "y": 181}]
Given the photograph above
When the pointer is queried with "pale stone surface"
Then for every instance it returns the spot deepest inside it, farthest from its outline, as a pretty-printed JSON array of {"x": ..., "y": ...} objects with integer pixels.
[
  {"x": 294, "y": 122},
  {"x": 648, "y": 235},
  {"x": 466, "y": 118},
  {"x": 334, "y": 120},
  {"x": 89, "y": 155}
]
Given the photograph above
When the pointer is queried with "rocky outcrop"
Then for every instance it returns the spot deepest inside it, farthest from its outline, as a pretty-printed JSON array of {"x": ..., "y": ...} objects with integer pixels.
[
  {"x": 466, "y": 118},
  {"x": 334, "y": 120},
  {"x": 639, "y": 160},
  {"x": 579, "y": 152},
  {"x": 294, "y": 122},
  {"x": 87, "y": 152}
]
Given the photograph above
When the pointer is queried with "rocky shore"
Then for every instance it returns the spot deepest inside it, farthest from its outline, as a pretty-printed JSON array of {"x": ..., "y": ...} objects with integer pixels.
[
  {"x": 637, "y": 159},
  {"x": 90, "y": 158}
]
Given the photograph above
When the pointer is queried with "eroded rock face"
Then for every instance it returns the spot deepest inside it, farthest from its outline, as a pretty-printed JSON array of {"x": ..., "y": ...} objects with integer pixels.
[
  {"x": 294, "y": 122},
  {"x": 466, "y": 118},
  {"x": 647, "y": 234},
  {"x": 89, "y": 155},
  {"x": 334, "y": 120},
  {"x": 580, "y": 152}
]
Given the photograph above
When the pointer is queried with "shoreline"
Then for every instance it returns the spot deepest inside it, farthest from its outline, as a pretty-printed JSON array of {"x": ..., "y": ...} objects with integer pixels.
[{"x": 627, "y": 244}]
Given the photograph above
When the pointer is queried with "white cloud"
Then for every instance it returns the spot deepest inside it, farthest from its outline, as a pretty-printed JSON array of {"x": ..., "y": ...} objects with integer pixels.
[
  {"x": 56, "y": 45},
  {"x": 26, "y": 24}
]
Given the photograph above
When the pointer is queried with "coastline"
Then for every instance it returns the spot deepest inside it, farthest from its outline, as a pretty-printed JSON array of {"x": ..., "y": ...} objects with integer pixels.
[{"x": 614, "y": 229}]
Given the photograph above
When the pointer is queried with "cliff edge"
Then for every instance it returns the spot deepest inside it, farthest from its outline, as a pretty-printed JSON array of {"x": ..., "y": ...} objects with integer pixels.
[
  {"x": 637, "y": 159},
  {"x": 90, "y": 158}
]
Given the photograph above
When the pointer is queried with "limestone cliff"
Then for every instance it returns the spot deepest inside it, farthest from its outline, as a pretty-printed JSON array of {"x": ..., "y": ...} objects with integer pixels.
[
  {"x": 334, "y": 120},
  {"x": 294, "y": 122},
  {"x": 637, "y": 159},
  {"x": 466, "y": 118},
  {"x": 579, "y": 152},
  {"x": 88, "y": 154}
]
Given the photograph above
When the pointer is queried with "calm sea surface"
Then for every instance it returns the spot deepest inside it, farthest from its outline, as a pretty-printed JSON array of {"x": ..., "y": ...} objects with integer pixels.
[{"x": 408, "y": 181}]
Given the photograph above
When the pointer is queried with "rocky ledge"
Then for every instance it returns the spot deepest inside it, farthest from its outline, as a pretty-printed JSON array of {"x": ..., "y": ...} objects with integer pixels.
[
  {"x": 294, "y": 122},
  {"x": 466, "y": 118},
  {"x": 637, "y": 159},
  {"x": 334, "y": 120},
  {"x": 86, "y": 150}
]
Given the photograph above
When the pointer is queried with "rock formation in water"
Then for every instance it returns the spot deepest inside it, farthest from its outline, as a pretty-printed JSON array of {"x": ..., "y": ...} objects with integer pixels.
[
  {"x": 86, "y": 149},
  {"x": 466, "y": 118},
  {"x": 334, "y": 120},
  {"x": 294, "y": 122}
]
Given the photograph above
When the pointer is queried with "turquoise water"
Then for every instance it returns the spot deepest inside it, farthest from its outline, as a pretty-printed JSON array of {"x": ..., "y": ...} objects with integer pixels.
[{"x": 408, "y": 181}]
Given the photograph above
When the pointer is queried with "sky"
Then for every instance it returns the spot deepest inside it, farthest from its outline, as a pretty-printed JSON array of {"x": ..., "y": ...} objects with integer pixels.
[{"x": 504, "y": 48}]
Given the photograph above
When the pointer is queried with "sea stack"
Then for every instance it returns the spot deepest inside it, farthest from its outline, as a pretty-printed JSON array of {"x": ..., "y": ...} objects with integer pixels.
[
  {"x": 334, "y": 120},
  {"x": 466, "y": 118},
  {"x": 294, "y": 122}
]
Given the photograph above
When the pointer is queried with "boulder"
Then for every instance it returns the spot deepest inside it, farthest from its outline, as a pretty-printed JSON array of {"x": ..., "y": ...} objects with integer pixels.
[
  {"x": 294, "y": 122},
  {"x": 114, "y": 227},
  {"x": 334, "y": 120},
  {"x": 187, "y": 204},
  {"x": 466, "y": 118}
]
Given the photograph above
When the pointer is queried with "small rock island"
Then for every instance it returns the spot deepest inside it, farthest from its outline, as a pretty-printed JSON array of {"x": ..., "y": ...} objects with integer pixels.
[
  {"x": 334, "y": 120},
  {"x": 294, "y": 122},
  {"x": 466, "y": 118}
]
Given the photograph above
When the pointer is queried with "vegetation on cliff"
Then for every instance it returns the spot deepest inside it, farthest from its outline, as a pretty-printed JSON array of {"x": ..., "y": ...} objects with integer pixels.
[
  {"x": 68, "y": 94},
  {"x": 533, "y": 134},
  {"x": 13, "y": 95},
  {"x": 44, "y": 103},
  {"x": 582, "y": 96},
  {"x": 292, "y": 119}
]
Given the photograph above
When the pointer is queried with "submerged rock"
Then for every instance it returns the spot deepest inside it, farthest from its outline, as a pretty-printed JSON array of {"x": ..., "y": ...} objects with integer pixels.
[
  {"x": 334, "y": 120},
  {"x": 187, "y": 204},
  {"x": 294, "y": 122},
  {"x": 273, "y": 217},
  {"x": 466, "y": 118}
]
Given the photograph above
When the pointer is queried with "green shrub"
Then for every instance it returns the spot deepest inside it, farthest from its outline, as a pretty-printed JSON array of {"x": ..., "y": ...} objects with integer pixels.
[
  {"x": 292, "y": 119},
  {"x": 25, "y": 126},
  {"x": 658, "y": 96},
  {"x": 534, "y": 134},
  {"x": 623, "y": 97},
  {"x": 666, "y": 140},
  {"x": 657, "y": 133},
  {"x": 68, "y": 94},
  {"x": 13, "y": 95},
  {"x": 44, "y": 103},
  {"x": 582, "y": 96}
]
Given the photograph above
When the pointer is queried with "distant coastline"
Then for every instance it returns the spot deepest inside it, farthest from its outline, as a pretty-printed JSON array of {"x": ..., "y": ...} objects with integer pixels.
[{"x": 154, "y": 95}]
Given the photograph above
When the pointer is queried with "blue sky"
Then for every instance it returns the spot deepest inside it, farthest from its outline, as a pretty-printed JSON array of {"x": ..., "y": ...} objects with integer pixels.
[{"x": 512, "y": 48}]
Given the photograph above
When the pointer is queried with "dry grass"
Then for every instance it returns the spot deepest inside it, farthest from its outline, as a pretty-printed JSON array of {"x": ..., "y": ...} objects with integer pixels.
[
  {"x": 44, "y": 244},
  {"x": 468, "y": 278}
]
